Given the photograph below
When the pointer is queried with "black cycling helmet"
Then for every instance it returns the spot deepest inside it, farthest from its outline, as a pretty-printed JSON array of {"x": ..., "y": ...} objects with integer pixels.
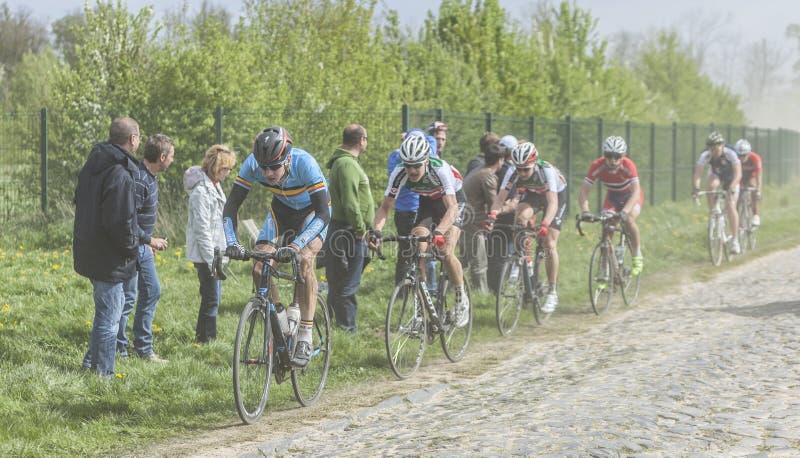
[
  {"x": 272, "y": 146},
  {"x": 715, "y": 139}
]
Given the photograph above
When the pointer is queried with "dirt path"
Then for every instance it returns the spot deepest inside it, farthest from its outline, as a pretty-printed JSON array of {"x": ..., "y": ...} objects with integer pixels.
[{"x": 235, "y": 440}]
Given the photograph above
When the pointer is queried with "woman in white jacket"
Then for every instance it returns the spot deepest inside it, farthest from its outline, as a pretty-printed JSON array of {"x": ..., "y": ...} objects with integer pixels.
[{"x": 204, "y": 230}]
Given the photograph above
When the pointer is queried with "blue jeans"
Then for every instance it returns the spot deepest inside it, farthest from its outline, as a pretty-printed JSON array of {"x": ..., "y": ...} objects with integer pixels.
[
  {"x": 344, "y": 267},
  {"x": 108, "y": 301},
  {"x": 145, "y": 283}
]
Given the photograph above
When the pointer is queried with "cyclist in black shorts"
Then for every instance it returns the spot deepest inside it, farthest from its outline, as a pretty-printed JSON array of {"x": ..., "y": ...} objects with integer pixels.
[
  {"x": 541, "y": 186},
  {"x": 725, "y": 170},
  {"x": 299, "y": 214},
  {"x": 441, "y": 204}
]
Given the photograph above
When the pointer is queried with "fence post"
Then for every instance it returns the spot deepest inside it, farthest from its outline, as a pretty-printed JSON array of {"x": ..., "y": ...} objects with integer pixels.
[
  {"x": 440, "y": 114},
  {"x": 43, "y": 153},
  {"x": 405, "y": 116},
  {"x": 489, "y": 121},
  {"x": 674, "y": 161},
  {"x": 218, "y": 123},
  {"x": 532, "y": 128},
  {"x": 600, "y": 145},
  {"x": 781, "y": 158},
  {"x": 568, "y": 120},
  {"x": 652, "y": 163},
  {"x": 694, "y": 146},
  {"x": 768, "y": 157},
  {"x": 628, "y": 134}
]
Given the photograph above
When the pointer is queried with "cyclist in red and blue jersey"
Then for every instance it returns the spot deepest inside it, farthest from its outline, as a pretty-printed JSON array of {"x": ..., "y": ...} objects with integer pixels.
[
  {"x": 540, "y": 185},
  {"x": 752, "y": 174},
  {"x": 725, "y": 171},
  {"x": 624, "y": 196},
  {"x": 441, "y": 205},
  {"x": 299, "y": 214}
]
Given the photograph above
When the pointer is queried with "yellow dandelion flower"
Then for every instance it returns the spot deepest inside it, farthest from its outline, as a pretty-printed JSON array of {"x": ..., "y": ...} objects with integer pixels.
[
  {"x": 323, "y": 278},
  {"x": 156, "y": 328},
  {"x": 56, "y": 266},
  {"x": 1, "y": 324},
  {"x": 178, "y": 253},
  {"x": 18, "y": 255},
  {"x": 65, "y": 252},
  {"x": 196, "y": 345},
  {"x": 21, "y": 247},
  {"x": 120, "y": 375},
  {"x": 87, "y": 323},
  {"x": 369, "y": 269},
  {"x": 189, "y": 264},
  {"x": 6, "y": 307}
]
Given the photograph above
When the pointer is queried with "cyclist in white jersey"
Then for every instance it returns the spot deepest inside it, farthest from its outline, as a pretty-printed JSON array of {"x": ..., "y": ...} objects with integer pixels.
[{"x": 441, "y": 205}]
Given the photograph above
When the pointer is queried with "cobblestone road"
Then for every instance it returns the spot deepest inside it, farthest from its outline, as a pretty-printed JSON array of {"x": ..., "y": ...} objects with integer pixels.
[{"x": 713, "y": 370}]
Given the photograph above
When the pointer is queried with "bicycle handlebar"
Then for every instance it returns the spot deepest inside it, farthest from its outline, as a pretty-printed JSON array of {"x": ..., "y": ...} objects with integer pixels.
[
  {"x": 263, "y": 257},
  {"x": 594, "y": 219},
  {"x": 401, "y": 238}
]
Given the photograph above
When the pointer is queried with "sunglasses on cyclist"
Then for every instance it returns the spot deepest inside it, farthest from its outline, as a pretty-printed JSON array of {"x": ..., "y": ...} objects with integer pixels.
[
  {"x": 613, "y": 155},
  {"x": 414, "y": 165},
  {"x": 272, "y": 167}
]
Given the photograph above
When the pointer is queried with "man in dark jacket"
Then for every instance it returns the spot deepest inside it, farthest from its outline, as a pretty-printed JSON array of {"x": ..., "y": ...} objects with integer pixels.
[{"x": 105, "y": 238}]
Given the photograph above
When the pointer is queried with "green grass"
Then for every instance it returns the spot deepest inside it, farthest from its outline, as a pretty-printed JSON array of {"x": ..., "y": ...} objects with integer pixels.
[{"x": 48, "y": 406}]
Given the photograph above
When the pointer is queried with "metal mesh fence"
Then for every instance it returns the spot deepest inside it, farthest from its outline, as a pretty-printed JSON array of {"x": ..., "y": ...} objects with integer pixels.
[{"x": 664, "y": 155}]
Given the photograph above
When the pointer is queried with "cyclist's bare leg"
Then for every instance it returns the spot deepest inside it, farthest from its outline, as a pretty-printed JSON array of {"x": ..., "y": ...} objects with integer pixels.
[
  {"x": 307, "y": 292},
  {"x": 733, "y": 214},
  {"x": 451, "y": 262},
  {"x": 551, "y": 250},
  {"x": 264, "y": 248},
  {"x": 421, "y": 231},
  {"x": 523, "y": 217},
  {"x": 633, "y": 229},
  {"x": 753, "y": 195}
]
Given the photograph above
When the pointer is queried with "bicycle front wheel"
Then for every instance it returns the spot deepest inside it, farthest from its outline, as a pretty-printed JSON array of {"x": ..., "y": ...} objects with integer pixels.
[
  {"x": 509, "y": 297},
  {"x": 252, "y": 361},
  {"x": 600, "y": 281},
  {"x": 716, "y": 240},
  {"x": 629, "y": 283},
  {"x": 539, "y": 287},
  {"x": 406, "y": 329},
  {"x": 308, "y": 382},
  {"x": 455, "y": 339}
]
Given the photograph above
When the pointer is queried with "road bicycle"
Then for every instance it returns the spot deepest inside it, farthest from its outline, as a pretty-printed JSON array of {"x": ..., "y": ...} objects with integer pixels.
[
  {"x": 611, "y": 263},
  {"x": 262, "y": 350},
  {"x": 523, "y": 280},
  {"x": 747, "y": 231},
  {"x": 718, "y": 238},
  {"x": 414, "y": 319}
]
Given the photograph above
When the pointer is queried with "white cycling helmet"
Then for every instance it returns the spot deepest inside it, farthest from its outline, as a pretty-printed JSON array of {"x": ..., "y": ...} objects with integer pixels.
[
  {"x": 615, "y": 144},
  {"x": 742, "y": 147},
  {"x": 415, "y": 149},
  {"x": 524, "y": 155},
  {"x": 508, "y": 141}
]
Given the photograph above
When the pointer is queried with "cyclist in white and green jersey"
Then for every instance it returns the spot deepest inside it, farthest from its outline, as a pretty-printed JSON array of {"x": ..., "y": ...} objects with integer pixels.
[
  {"x": 441, "y": 205},
  {"x": 541, "y": 186}
]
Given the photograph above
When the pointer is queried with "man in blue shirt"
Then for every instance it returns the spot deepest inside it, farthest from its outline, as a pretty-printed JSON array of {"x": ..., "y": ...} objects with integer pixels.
[{"x": 159, "y": 152}]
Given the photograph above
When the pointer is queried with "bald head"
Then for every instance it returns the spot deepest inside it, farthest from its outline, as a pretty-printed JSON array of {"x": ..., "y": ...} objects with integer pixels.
[
  {"x": 121, "y": 130},
  {"x": 352, "y": 135}
]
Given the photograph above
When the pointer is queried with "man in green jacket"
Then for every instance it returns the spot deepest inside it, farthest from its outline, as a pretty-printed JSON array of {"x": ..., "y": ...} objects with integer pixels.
[{"x": 353, "y": 212}]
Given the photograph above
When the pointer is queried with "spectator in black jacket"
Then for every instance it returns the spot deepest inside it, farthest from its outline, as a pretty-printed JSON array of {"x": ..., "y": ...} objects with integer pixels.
[{"x": 105, "y": 238}]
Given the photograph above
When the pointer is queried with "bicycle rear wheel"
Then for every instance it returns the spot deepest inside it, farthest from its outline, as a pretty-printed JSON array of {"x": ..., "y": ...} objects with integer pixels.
[
  {"x": 600, "y": 281},
  {"x": 405, "y": 330},
  {"x": 716, "y": 240},
  {"x": 539, "y": 287},
  {"x": 455, "y": 339},
  {"x": 309, "y": 381},
  {"x": 252, "y": 361},
  {"x": 630, "y": 283},
  {"x": 510, "y": 297}
]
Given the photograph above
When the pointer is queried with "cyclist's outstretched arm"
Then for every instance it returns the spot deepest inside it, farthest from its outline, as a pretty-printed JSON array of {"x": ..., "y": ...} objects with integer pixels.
[
  {"x": 499, "y": 201},
  {"x": 235, "y": 199},
  {"x": 552, "y": 206},
  {"x": 698, "y": 173},
  {"x": 450, "y": 214},
  {"x": 583, "y": 197},
  {"x": 636, "y": 191},
  {"x": 382, "y": 213}
]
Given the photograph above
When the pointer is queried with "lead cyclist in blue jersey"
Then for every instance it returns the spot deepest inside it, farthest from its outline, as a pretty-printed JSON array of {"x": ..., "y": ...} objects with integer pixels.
[{"x": 300, "y": 209}]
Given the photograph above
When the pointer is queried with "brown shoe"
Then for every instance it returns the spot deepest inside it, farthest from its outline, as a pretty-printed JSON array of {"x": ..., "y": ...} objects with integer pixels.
[{"x": 154, "y": 358}]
